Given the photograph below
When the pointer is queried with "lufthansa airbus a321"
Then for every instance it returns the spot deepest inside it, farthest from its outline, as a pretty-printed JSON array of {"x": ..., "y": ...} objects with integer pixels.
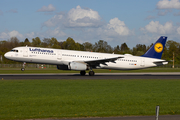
[{"x": 82, "y": 61}]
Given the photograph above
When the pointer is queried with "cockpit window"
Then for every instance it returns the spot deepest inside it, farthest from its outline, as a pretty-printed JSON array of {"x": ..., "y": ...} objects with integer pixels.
[{"x": 14, "y": 50}]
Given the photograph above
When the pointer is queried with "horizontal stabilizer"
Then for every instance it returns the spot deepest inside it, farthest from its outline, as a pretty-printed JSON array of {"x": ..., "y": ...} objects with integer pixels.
[{"x": 158, "y": 63}]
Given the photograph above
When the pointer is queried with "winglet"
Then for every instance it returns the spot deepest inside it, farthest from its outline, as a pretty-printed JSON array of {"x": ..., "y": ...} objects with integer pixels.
[{"x": 157, "y": 49}]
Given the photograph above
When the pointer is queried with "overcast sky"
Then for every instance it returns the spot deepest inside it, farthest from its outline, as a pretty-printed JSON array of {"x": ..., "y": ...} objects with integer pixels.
[{"x": 115, "y": 21}]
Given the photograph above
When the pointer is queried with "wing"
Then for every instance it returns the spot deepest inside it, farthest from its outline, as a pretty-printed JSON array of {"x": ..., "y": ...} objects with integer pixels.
[{"x": 94, "y": 63}]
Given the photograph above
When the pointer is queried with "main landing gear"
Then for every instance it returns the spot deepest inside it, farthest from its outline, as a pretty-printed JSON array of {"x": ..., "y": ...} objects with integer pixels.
[
  {"x": 91, "y": 73},
  {"x": 23, "y": 69},
  {"x": 83, "y": 73}
]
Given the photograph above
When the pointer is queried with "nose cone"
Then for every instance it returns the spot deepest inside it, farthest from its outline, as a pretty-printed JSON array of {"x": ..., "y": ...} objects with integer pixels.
[{"x": 7, "y": 55}]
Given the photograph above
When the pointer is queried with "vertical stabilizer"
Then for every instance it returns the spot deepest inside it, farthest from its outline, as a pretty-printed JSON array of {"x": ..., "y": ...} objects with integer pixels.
[{"x": 157, "y": 49}]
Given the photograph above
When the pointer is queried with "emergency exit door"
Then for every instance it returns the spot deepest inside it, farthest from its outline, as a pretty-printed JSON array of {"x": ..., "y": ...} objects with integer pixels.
[
  {"x": 59, "y": 55},
  {"x": 142, "y": 62}
]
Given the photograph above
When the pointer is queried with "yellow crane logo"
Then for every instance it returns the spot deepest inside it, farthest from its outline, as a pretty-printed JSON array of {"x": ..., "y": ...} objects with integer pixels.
[{"x": 158, "y": 47}]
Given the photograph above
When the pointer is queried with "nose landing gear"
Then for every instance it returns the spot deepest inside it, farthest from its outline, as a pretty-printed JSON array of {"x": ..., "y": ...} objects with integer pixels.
[{"x": 24, "y": 64}]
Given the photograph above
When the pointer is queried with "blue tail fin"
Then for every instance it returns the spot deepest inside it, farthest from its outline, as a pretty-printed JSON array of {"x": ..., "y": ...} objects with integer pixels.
[{"x": 157, "y": 49}]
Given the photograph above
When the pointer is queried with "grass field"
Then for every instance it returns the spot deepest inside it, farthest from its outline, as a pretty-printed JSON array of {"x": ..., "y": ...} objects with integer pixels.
[
  {"x": 28, "y": 99},
  {"x": 55, "y": 70}
]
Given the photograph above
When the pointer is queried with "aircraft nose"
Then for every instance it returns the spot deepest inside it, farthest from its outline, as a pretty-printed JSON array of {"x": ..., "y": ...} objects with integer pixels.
[{"x": 7, "y": 55}]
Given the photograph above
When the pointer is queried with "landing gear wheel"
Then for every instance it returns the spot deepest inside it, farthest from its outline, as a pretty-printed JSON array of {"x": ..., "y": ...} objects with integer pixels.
[
  {"x": 24, "y": 64},
  {"x": 22, "y": 69},
  {"x": 91, "y": 73},
  {"x": 83, "y": 73}
]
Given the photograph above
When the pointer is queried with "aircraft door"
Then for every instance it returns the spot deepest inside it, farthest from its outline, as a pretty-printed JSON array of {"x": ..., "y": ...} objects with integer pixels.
[
  {"x": 100, "y": 57},
  {"x": 59, "y": 55},
  {"x": 25, "y": 52},
  {"x": 142, "y": 62}
]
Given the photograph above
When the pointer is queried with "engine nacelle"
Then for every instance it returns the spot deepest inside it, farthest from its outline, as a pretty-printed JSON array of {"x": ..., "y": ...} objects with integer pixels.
[
  {"x": 78, "y": 66},
  {"x": 73, "y": 66}
]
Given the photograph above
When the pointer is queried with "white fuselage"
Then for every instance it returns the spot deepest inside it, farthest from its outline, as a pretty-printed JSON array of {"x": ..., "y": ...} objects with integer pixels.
[{"x": 64, "y": 57}]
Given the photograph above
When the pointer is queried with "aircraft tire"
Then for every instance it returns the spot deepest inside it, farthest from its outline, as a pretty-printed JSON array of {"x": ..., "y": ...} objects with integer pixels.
[
  {"x": 91, "y": 73},
  {"x": 22, "y": 69},
  {"x": 83, "y": 73}
]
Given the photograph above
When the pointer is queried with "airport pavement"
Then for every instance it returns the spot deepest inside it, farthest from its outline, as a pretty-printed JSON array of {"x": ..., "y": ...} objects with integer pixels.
[
  {"x": 98, "y": 76},
  {"x": 163, "y": 117}
]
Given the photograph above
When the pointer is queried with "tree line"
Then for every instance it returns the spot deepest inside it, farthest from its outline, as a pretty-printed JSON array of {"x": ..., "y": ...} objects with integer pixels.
[{"x": 100, "y": 46}]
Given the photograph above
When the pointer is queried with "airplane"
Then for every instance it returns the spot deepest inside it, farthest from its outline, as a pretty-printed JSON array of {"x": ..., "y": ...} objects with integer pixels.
[{"x": 83, "y": 60}]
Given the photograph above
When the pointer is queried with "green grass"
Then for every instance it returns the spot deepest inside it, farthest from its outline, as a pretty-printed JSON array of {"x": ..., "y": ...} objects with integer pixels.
[
  {"x": 28, "y": 99},
  {"x": 54, "y": 70}
]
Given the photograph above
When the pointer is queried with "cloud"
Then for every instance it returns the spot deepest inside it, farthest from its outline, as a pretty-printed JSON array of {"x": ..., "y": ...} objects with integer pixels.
[
  {"x": 146, "y": 39},
  {"x": 118, "y": 26},
  {"x": 7, "y": 35},
  {"x": 13, "y": 11},
  {"x": 79, "y": 13},
  {"x": 53, "y": 21},
  {"x": 178, "y": 30},
  {"x": 114, "y": 29},
  {"x": 49, "y": 8},
  {"x": 156, "y": 27},
  {"x": 30, "y": 35},
  {"x": 88, "y": 23},
  {"x": 3, "y": 35},
  {"x": 56, "y": 32},
  {"x": 150, "y": 17},
  {"x": 163, "y": 13},
  {"x": 177, "y": 14},
  {"x": 78, "y": 17},
  {"x": 15, "y": 34},
  {"x": 166, "y": 4}
]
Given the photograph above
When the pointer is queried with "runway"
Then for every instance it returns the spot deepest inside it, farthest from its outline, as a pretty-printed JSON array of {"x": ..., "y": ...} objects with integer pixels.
[
  {"x": 98, "y": 76},
  {"x": 163, "y": 117}
]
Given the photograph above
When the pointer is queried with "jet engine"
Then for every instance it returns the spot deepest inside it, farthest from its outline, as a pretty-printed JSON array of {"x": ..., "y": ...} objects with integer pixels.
[
  {"x": 73, "y": 66},
  {"x": 78, "y": 66}
]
